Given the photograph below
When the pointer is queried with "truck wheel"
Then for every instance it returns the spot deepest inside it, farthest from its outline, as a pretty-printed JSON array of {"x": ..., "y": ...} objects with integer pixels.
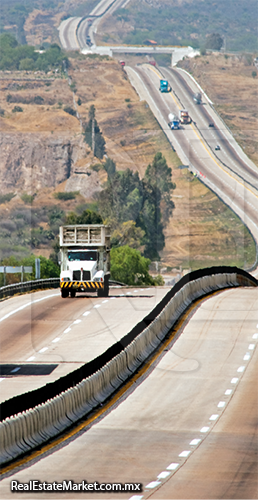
[
  {"x": 72, "y": 293},
  {"x": 64, "y": 293},
  {"x": 100, "y": 293}
]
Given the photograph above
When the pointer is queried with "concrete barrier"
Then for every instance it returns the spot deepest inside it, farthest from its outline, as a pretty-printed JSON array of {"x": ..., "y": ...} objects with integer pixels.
[{"x": 31, "y": 428}]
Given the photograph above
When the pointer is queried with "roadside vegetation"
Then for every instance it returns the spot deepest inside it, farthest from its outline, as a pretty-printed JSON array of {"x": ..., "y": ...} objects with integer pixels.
[
  {"x": 153, "y": 205},
  {"x": 185, "y": 23},
  {"x": 14, "y": 56}
]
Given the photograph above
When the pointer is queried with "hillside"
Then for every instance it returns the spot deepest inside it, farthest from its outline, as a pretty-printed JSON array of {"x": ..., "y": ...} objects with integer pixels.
[
  {"x": 183, "y": 22},
  {"x": 231, "y": 82},
  {"x": 44, "y": 154}
]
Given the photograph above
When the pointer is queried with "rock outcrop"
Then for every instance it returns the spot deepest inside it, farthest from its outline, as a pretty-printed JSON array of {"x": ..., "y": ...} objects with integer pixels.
[{"x": 30, "y": 162}]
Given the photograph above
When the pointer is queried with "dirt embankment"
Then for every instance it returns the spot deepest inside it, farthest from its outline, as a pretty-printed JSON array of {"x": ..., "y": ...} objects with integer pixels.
[{"x": 231, "y": 82}]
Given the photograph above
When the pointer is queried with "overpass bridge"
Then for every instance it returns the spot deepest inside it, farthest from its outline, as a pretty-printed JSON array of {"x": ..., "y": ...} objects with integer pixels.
[{"x": 177, "y": 53}]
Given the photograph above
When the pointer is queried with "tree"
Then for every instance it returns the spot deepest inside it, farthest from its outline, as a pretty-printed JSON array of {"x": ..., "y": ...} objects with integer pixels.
[
  {"x": 87, "y": 217},
  {"x": 214, "y": 41},
  {"x": 94, "y": 130},
  {"x": 159, "y": 175},
  {"x": 26, "y": 64},
  {"x": 110, "y": 167},
  {"x": 128, "y": 198},
  {"x": 128, "y": 266},
  {"x": 127, "y": 234}
]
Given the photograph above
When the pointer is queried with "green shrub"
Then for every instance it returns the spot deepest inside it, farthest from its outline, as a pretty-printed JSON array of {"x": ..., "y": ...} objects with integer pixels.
[
  {"x": 27, "y": 198},
  {"x": 6, "y": 197},
  {"x": 69, "y": 195},
  {"x": 70, "y": 110},
  {"x": 17, "y": 109}
]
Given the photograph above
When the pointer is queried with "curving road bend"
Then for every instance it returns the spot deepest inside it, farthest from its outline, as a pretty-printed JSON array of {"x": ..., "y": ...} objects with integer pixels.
[
  {"x": 51, "y": 336},
  {"x": 188, "y": 429},
  {"x": 195, "y": 153}
]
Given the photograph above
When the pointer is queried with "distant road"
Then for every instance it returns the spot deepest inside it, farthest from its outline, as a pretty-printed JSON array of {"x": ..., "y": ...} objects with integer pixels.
[
  {"x": 73, "y": 31},
  {"x": 67, "y": 33},
  {"x": 237, "y": 183}
]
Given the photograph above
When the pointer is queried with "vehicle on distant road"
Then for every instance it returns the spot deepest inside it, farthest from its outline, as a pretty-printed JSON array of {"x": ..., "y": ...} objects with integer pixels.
[
  {"x": 197, "y": 98},
  {"x": 211, "y": 124},
  {"x": 184, "y": 116},
  {"x": 164, "y": 86},
  {"x": 217, "y": 148},
  {"x": 88, "y": 41},
  {"x": 174, "y": 122}
]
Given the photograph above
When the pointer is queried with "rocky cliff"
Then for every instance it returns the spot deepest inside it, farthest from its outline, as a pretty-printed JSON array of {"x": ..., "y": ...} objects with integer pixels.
[{"x": 30, "y": 161}]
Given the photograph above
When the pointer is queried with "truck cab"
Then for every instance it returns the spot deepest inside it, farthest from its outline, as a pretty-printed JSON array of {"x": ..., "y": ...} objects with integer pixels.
[
  {"x": 164, "y": 86},
  {"x": 84, "y": 259},
  {"x": 184, "y": 116},
  {"x": 174, "y": 122}
]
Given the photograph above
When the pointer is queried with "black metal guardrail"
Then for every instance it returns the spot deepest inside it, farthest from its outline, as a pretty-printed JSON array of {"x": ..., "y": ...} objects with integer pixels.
[
  {"x": 28, "y": 286},
  {"x": 41, "y": 395}
]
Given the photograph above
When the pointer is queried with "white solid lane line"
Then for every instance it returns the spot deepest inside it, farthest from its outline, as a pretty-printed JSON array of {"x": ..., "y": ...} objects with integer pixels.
[{"x": 26, "y": 305}]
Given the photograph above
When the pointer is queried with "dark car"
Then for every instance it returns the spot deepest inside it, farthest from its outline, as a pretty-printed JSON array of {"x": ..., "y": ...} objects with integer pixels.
[
  {"x": 211, "y": 124},
  {"x": 217, "y": 148}
]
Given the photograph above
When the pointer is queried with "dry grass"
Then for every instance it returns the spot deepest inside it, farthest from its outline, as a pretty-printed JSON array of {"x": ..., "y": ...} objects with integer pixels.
[
  {"x": 202, "y": 231},
  {"x": 229, "y": 83}
]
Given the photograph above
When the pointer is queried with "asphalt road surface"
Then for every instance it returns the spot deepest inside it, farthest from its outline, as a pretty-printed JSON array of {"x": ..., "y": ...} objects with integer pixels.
[
  {"x": 187, "y": 430},
  {"x": 194, "y": 152},
  {"x": 42, "y": 329}
]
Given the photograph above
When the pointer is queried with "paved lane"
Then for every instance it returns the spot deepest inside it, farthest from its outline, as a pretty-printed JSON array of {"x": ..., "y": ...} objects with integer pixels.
[
  {"x": 193, "y": 151},
  {"x": 169, "y": 430},
  {"x": 43, "y": 328}
]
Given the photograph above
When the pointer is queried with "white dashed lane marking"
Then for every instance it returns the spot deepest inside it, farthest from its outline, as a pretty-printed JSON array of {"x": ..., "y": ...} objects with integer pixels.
[{"x": 44, "y": 349}]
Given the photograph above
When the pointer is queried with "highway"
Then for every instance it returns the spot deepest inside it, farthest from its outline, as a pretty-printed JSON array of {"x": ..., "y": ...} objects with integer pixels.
[
  {"x": 74, "y": 30},
  {"x": 230, "y": 174},
  {"x": 187, "y": 426},
  {"x": 187, "y": 430},
  {"x": 51, "y": 336}
]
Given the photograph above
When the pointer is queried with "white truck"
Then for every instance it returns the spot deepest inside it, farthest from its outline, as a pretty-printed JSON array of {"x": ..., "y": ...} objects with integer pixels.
[
  {"x": 174, "y": 122},
  {"x": 84, "y": 259}
]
